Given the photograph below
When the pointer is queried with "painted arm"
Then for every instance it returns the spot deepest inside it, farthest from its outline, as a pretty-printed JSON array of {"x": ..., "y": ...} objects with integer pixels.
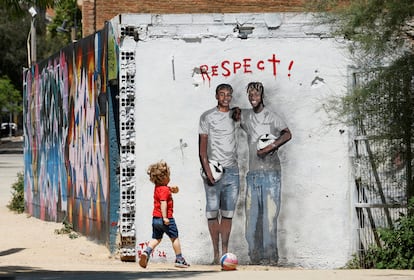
[
  {"x": 284, "y": 137},
  {"x": 236, "y": 114},
  {"x": 202, "y": 150}
]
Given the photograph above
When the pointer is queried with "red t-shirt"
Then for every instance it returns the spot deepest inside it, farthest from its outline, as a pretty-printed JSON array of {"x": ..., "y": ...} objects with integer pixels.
[{"x": 162, "y": 193}]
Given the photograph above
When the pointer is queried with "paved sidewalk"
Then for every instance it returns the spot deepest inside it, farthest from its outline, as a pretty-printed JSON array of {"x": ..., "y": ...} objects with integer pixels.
[
  {"x": 205, "y": 274},
  {"x": 11, "y": 145}
]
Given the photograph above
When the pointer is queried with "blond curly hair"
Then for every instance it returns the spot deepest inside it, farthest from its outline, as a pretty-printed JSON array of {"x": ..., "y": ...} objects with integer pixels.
[{"x": 158, "y": 172}]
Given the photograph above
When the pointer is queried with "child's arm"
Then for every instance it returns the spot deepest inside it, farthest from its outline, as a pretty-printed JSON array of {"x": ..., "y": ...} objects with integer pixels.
[{"x": 164, "y": 212}]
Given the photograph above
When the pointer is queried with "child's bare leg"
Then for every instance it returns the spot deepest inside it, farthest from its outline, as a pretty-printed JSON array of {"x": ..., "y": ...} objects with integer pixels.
[
  {"x": 176, "y": 245},
  {"x": 179, "y": 259},
  {"x": 214, "y": 228},
  {"x": 154, "y": 243}
]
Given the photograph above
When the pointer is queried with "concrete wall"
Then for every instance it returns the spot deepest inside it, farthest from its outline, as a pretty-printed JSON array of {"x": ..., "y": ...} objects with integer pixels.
[{"x": 300, "y": 66}]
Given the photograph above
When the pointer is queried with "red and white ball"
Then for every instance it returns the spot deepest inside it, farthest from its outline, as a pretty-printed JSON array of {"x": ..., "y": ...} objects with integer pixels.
[{"x": 229, "y": 261}]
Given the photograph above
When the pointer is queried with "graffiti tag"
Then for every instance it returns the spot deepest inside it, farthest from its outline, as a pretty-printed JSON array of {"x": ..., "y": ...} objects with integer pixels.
[
  {"x": 158, "y": 253},
  {"x": 227, "y": 68}
]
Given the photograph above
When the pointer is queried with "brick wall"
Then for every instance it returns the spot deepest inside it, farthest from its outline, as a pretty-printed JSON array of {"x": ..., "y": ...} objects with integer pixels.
[{"x": 96, "y": 12}]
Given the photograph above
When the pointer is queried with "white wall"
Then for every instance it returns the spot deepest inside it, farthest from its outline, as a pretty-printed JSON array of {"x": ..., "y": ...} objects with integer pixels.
[{"x": 315, "y": 223}]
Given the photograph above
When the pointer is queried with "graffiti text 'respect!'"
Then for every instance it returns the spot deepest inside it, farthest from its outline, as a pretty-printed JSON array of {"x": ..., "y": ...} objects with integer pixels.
[{"x": 247, "y": 65}]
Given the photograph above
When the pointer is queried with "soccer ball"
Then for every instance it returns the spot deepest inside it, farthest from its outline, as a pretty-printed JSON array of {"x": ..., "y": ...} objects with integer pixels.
[
  {"x": 264, "y": 140},
  {"x": 229, "y": 261},
  {"x": 216, "y": 170}
]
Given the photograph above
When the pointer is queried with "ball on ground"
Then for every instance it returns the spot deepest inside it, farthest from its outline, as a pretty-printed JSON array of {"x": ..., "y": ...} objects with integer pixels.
[{"x": 229, "y": 261}]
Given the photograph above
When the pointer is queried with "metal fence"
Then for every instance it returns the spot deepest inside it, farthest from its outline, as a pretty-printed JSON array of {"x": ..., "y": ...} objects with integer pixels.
[{"x": 379, "y": 166}]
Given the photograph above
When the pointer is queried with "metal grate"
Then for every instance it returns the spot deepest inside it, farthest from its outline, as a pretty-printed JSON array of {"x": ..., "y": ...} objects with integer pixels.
[
  {"x": 127, "y": 153},
  {"x": 378, "y": 165}
]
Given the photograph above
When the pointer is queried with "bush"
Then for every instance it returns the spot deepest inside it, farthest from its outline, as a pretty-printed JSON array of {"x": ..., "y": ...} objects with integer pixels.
[
  {"x": 397, "y": 251},
  {"x": 17, "y": 202},
  {"x": 67, "y": 229}
]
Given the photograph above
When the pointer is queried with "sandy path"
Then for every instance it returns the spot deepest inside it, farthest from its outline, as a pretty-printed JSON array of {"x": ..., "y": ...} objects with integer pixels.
[{"x": 31, "y": 242}]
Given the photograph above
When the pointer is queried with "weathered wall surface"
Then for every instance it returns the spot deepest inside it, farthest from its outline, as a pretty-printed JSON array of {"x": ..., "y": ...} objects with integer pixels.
[
  {"x": 68, "y": 113},
  {"x": 179, "y": 60}
]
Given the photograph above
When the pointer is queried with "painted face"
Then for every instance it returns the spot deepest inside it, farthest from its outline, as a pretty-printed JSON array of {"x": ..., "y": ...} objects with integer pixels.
[
  {"x": 255, "y": 98},
  {"x": 224, "y": 97}
]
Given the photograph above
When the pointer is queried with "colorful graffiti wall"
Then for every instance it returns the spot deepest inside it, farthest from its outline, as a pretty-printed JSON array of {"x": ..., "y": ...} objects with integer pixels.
[{"x": 68, "y": 113}]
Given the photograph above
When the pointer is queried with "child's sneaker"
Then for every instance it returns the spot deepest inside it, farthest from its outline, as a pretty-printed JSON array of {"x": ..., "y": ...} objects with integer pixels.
[
  {"x": 143, "y": 259},
  {"x": 181, "y": 263}
]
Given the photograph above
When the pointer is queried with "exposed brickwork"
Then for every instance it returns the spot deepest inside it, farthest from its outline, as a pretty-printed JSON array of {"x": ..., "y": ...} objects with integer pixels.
[{"x": 96, "y": 12}]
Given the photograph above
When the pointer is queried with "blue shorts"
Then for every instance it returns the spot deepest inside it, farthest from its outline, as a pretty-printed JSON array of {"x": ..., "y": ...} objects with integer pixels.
[
  {"x": 223, "y": 195},
  {"x": 159, "y": 228}
]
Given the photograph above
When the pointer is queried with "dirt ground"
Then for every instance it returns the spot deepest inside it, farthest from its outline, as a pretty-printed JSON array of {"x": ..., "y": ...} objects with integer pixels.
[{"x": 30, "y": 249}]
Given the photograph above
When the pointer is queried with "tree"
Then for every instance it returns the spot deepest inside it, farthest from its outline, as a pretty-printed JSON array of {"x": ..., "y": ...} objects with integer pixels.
[
  {"x": 18, "y": 7},
  {"x": 67, "y": 14},
  {"x": 14, "y": 31},
  {"x": 376, "y": 27},
  {"x": 13, "y": 51},
  {"x": 381, "y": 39},
  {"x": 10, "y": 97}
]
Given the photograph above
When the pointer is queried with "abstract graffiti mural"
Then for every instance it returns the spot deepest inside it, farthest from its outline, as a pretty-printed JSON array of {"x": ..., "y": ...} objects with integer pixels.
[{"x": 66, "y": 150}]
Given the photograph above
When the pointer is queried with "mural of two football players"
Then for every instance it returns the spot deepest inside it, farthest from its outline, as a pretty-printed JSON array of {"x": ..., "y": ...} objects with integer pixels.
[{"x": 266, "y": 132}]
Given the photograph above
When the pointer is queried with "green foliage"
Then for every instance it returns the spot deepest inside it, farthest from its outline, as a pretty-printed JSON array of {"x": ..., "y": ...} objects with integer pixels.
[
  {"x": 388, "y": 98},
  {"x": 378, "y": 28},
  {"x": 13, "y": 41},
  {"x": 376, "y": 24},
  {"x": 17, "y": 202},
  {"x": 48, "y": 46},
  {"x": 15, "y": 28},
  {"x": 354, "y": 263},
  {"x": 18, "y": 7},
  {"x": 10, "y": 98},
  {"x": 66, "y": 12},
  {"x": 398, "y": 249},
  {"x": 380, "y": 36},
  {"x": 67, "y": 229}
]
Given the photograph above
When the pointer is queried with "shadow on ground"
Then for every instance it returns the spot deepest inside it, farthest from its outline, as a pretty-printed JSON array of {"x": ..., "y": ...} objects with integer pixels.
[
  {"x": 11, "y": 251},
  {"x": 25, "y": 272}
]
